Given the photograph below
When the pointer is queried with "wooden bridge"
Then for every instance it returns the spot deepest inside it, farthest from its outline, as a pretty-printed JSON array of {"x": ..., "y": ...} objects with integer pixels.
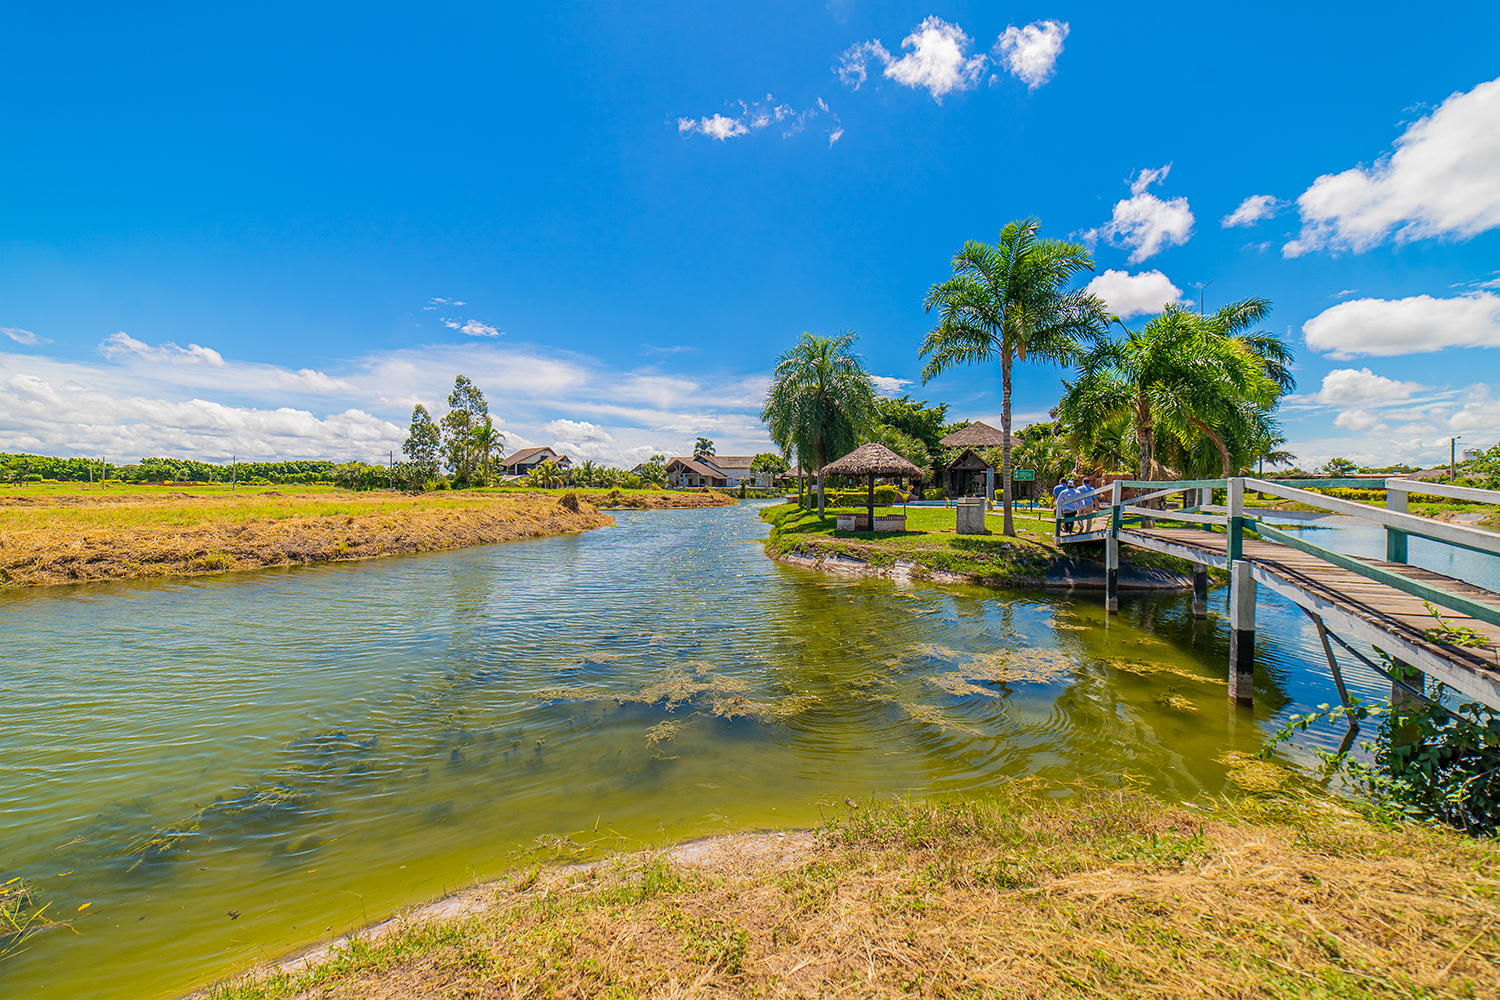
[{"x": 1380, "y": 602}]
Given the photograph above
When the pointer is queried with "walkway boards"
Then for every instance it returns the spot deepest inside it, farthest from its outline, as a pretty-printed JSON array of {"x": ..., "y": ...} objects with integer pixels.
[{"x": 1354, "y": 605}]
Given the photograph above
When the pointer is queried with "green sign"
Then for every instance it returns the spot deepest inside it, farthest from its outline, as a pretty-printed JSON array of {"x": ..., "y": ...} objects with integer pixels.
[{"x": 1023, "y": 475}]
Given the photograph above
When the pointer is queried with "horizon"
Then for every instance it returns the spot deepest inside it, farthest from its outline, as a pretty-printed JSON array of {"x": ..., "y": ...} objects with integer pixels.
[{"x": 272, "y": 238}]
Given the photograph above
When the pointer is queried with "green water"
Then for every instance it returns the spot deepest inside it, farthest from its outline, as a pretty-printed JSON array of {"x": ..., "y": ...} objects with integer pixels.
[{"x": 228, "y": 768}]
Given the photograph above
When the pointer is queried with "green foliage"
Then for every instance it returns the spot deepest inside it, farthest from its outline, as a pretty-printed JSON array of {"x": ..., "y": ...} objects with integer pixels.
[
  {"x": 467, "y": 412},
  {"x": 421, "y": 447},
  {"x": 360, "y": 476},
  {"x": 546, "y": 476},
  {"x": 885, "y": 496},
  {"x": 1336, "y": 468},
  {"x": 703, "y": 446},
  {"x": 1426, "y": 762},
  {"x": 35, "y": 468},
  {"x": 768, "y": 461},
  {"x": 821, "y": 401},
  {"x": 1009, "y": 302},
  {"x": 914, "y": 420}
]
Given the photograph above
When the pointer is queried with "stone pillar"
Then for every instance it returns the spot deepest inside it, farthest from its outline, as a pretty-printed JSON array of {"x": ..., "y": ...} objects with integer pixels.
[
  {"x": 1241, "y": 633},
  {"x": 970, "y": 517},
  {"x": 1200, "y": 590}
]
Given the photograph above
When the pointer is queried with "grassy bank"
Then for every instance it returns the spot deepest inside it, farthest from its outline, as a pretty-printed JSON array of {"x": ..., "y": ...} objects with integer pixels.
[
  {"x": 53, "y": 536},
  {"x": 931, "y": 544},
  {"x": 1024, "y": 893}
]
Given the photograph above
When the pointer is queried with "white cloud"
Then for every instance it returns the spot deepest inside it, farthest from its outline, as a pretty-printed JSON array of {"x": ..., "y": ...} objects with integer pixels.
[
  {"x": 123, "y": 345},
  {"x": 1417, "y": 325},
  {"x": 889, "y": 385},
  {"x": 1129, "y": 295},
  {"x": 196, "y": 367},
  {"x": 1146, "y": 223},
  {"x": 472, "y": 327},
  {"x": 1030, "y": 53},
  {"x": 717, "y": 127},
  {"x": 1442, "y": 179},
  {"x": 579, "y": 430},
  {"x": 23, "y": 336},
  {"x": 938, "y": 60},
  {"x": 1251, "y": 211},
  {"x": 835, "y": 136},
  {"x": 756, "y": 116},
  {"x": 1360, "y": 386},
  {"x": 1357, "y": 420}
]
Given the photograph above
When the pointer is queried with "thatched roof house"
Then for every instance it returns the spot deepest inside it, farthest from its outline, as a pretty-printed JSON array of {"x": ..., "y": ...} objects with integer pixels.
[{"x": 978, "y": 435}]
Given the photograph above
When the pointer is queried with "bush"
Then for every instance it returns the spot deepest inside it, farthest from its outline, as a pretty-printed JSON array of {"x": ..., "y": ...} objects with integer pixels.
[
  {"x": 934, "y": 494},
  {"x": 885, "y": 496}
]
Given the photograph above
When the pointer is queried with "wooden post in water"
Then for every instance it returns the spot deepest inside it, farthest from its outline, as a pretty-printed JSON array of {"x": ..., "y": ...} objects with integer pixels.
[
  {"x": 1200, "y": 590},
  {"x": 1241, "y": 604},
  {"x": 1112, "y": 553}
]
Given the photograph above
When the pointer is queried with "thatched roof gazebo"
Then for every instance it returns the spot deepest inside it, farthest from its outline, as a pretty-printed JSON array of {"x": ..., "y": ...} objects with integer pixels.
[
  {"x": 869, "y": 461},
  {"x": 977, "y": 435}
]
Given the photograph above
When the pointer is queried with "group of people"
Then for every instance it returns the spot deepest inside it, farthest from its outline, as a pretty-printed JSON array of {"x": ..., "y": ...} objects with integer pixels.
[{"x": 1071, "y": 498}]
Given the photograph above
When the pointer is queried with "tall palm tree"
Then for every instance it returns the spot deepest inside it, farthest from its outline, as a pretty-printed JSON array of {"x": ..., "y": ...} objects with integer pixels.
[
  {"x": 820, "y": 401},
  {"x": 1008, "y": 302},
  {"x": 486, "y": 441},
  {"x": 1181, "y": 374},
  {"x": 586, "y": 473}
]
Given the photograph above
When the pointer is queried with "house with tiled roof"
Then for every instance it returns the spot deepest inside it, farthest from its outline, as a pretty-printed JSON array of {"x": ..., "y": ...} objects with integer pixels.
[
  {"x": 527, "y": 459},
  {"x": 721, "y": 471}
]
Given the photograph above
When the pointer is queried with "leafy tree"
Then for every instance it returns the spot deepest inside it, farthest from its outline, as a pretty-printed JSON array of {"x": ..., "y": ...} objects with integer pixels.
[
  {"x": 703, "y": 446},
  {"x": 1336, "y": 468},
  {"x": 1179, "y": 374},
  {"x": 466, "y": 409},
  {"x": 421, "y": 446},
  {"x": 771, "y": 462},
  {"x": 820, "y": 401},
  {"x": 486, "y": 440},
  {"x": 1009, "y": 302},
  {"x": 917, "y": 420}
]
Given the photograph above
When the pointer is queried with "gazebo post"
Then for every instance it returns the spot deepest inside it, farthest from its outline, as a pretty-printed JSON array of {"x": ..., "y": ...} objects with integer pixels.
[{"x": 870, "y": 500}]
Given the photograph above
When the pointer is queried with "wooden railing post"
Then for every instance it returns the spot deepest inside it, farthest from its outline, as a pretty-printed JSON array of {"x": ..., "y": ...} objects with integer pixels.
[
  {"x": 1205, "y": 497},
  {"x": 1395, "y": 539},
  {"x": 1112, "y": 553},
  {"x": 1241, "y": 603}
]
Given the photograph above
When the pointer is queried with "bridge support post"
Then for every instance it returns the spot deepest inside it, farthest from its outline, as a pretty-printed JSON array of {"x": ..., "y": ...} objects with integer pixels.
[
  {"x": 1241, "y": 633},
  {"x": 1200, "y": 590},
  {"x": 1112, "y": 553},
  {"x": 1395, "y": 541},
  {"x": 1205, "y": 497}
]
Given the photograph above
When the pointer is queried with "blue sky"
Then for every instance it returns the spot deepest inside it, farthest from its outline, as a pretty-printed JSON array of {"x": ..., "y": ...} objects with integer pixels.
[{"x": 269, "y": 231}]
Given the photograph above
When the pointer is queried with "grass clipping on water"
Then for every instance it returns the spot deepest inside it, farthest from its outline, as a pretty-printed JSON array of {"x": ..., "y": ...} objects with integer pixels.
[
  {"x": 1102, "y": 892},
  {"x": 74, "y": 538}
]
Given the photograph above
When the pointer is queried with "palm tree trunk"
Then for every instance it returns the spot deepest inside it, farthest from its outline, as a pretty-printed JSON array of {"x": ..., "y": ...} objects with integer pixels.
[
  {"x": 1010, "y": 528},
  {"x": 1207, "y": 431},
  {"x": 818, "y": 457}
]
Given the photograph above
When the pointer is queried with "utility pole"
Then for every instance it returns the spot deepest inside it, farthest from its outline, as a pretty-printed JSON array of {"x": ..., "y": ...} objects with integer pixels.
[
  {"x": 1453, "y": 459},
  {"x": 234, "y": 471},
  {"x": 390, "y": 469}
]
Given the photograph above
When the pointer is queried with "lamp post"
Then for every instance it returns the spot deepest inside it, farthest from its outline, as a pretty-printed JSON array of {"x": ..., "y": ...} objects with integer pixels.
[{"x": 1453, "y": 459}]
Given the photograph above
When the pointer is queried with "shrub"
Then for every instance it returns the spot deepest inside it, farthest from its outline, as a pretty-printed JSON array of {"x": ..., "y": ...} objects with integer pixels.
[{"x": 885, "y": 496}]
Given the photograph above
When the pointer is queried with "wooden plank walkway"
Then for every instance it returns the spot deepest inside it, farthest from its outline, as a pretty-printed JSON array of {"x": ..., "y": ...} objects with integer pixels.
[{"x": 1373, "y": 611}]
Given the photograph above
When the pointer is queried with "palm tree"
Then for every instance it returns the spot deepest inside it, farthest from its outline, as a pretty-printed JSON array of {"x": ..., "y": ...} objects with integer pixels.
[
  {"x": 486, "y": 441},
  {"x": 703, "y": 446},
  {"x": 1182, "y": 374},
  {"x": 586, "y": 473},
  {"x": 1009, "y": 302},
  {"x": 545, "y": 476},
  {"x": 820, "y": 401}
]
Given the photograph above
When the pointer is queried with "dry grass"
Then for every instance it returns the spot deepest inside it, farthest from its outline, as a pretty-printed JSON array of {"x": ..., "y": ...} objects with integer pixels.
[
  {"x": 1100, "y": 893},
  {"x": 70, "y": 538}
]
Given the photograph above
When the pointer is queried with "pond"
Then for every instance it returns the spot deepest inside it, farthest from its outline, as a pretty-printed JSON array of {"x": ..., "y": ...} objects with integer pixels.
[{"x": 204, "y": 774}]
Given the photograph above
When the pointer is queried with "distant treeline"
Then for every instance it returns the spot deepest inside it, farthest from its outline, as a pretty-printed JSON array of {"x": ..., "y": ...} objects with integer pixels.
[{"x": 35, "y": 468}]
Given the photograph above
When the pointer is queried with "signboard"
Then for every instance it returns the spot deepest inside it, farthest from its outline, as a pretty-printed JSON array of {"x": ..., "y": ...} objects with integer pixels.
[{"x": 1023, "y": 475}]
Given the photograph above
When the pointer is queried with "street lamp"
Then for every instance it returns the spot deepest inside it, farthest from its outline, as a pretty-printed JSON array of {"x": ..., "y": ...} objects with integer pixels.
[{"x": 1453, "y": 459}]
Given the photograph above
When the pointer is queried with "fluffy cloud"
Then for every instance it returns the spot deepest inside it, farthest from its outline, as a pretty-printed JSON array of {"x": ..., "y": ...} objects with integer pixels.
[
  {"x": 1443, "y": 179},
  {"x": 1417, "y": 325},
  {"x": 1251, "y": 211},
  {"x": 38, "y": 415},
  {"x": 938, "y": 60},
  {"x": 1355, "y": 386},
  {"x": 759, "y": 115},
  {"x": 889, "y": 385},
  {"x": 717, "y": 127},
  {"x": 1146, "y": 223},
  {"x": 472, "y": 327},
  {"x": 23, "y": 336},
  {"x": 1129, "y": 295},
  {"x": 1030, "y": 53}
]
